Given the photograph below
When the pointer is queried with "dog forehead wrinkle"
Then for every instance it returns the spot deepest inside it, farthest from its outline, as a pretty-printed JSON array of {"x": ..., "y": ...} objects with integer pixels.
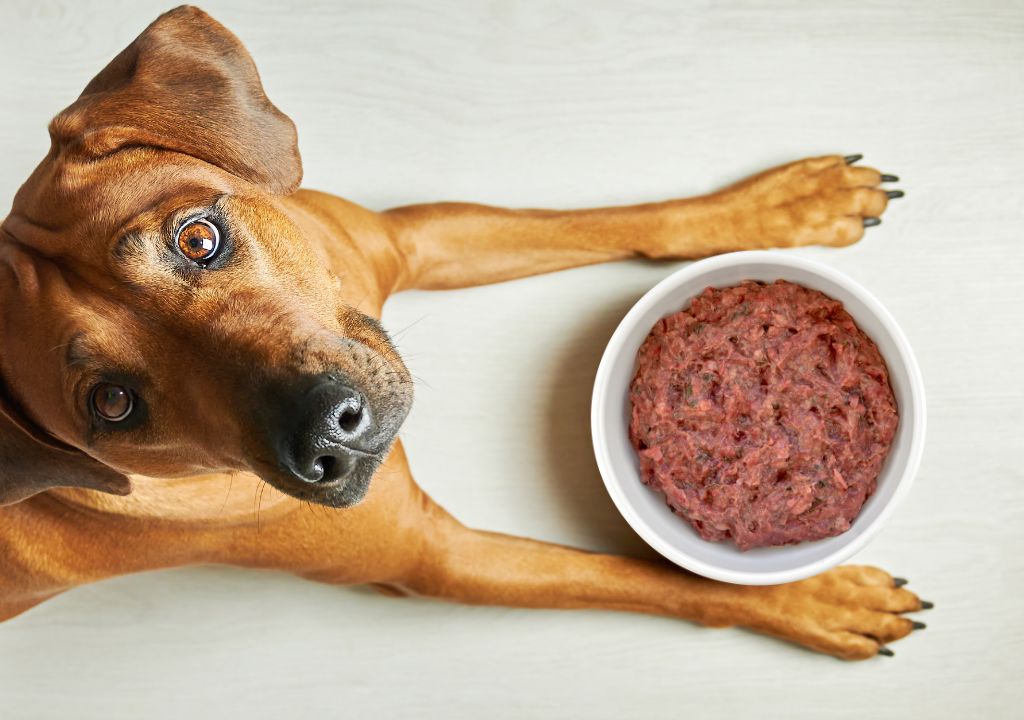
[
  {"x": 20, "y": 262},
  {"x": 68, "y": 200}
]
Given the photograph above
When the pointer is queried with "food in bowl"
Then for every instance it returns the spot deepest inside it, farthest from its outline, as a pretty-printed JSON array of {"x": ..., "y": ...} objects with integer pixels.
[{"x": 762, "y": 413}]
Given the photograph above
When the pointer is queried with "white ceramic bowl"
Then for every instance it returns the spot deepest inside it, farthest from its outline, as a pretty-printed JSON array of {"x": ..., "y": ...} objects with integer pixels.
[{"x": 645, "y": 510}]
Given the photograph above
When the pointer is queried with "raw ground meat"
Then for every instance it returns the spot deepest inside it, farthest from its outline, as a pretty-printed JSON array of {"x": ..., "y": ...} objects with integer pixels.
[{"x": 762, "y": 413}]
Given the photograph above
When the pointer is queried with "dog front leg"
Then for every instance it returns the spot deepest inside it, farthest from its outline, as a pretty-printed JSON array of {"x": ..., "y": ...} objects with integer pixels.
[
  {"x": 822, "y": 200},
  {"x": 48, "y": 546},
  {"x": 849, "y": 612}
]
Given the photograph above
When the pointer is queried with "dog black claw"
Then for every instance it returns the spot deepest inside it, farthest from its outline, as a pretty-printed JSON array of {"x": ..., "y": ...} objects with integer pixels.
[
  {"x": 899, "y": 582},
  {"x": 918, "y": 625},
  {"x": 851, "y": 159},
  {"x": 894, "y": 193},
  {"x": 925, "y": 605},
  {"x": 872, "y": 221},
  {"x": 886, "y": 651},
  {"x": 890, "y": 178}
]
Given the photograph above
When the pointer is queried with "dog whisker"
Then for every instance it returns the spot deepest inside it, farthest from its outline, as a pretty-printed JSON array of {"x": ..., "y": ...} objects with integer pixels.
[
  {"x": 259, "y": 504},
  {"x": 395, "y": 335},
  {"x": 231, "y": 482}
]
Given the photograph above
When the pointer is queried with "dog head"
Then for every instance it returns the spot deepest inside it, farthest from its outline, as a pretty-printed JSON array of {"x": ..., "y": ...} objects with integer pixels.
[{"x": 160, "y": 313}]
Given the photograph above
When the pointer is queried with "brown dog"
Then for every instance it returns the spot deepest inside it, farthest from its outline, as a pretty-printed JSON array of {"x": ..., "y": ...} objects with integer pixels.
[{"x": 178, "y": 316}]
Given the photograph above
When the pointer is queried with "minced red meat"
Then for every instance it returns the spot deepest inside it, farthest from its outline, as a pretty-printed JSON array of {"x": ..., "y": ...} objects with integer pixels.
[{"x": 762, "y": 413}]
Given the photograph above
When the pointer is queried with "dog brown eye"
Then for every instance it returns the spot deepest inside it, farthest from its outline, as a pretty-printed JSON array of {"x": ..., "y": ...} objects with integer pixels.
[
  {"x": 198, "y": 240},
  {"x": 112, "y": 402}
]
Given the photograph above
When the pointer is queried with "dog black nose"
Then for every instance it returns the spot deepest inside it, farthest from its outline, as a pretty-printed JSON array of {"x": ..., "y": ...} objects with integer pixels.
[{"x": 320, "y": 431}]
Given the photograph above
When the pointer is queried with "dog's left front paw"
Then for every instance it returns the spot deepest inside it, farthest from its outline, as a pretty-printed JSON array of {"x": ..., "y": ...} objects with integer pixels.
[{"x": 817, "y": 201}]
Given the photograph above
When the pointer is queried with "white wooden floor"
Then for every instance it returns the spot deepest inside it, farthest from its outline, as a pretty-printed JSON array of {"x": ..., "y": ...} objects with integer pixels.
[{"x": 569, "y": 104}]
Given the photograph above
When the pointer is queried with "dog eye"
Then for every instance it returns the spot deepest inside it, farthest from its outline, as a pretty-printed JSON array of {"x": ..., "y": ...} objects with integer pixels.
[
  {"x": 113, "y": 403},
  {"x": 198, "y": 240}
]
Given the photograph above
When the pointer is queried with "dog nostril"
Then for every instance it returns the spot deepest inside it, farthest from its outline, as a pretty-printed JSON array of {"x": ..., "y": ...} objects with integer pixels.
[
  {"x": 330, "y": 468},
  {"x": 350, "y": 419},
  {"x": 320, "y": 466}
]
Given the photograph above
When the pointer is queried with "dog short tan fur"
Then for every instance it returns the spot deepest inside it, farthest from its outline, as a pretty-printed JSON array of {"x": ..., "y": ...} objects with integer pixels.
[{"x": 94, "y": 290}]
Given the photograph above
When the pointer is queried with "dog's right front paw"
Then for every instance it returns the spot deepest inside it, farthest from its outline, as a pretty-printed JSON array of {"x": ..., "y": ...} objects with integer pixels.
[{"x": 852, "y": 612}]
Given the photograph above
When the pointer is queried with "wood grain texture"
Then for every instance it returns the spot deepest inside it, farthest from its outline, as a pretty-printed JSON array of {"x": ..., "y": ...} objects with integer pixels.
[{"x": 568, "y": 104}]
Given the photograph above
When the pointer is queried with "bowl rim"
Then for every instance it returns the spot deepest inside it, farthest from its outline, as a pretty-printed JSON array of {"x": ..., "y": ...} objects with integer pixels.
[{"x": 599, "y": 428}]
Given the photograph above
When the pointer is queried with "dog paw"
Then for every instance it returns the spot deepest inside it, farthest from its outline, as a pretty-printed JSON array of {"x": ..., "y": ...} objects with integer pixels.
[
  {"x": 852, "y": 612},
  {"x": 817, "y": 201}
]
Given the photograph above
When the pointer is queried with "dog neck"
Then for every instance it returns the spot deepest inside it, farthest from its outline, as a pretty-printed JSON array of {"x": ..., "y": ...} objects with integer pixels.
[{"x": 229, "y": 498}]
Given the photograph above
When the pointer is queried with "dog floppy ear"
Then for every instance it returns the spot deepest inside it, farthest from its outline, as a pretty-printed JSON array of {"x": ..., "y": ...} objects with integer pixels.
[
  {"x": 32, "y": 461},
  {"x": 187, "y": 85}
]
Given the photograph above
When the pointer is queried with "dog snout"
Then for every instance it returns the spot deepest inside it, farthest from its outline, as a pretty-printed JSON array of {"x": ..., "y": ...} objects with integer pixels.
[{"x": 321, "y": 431}]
